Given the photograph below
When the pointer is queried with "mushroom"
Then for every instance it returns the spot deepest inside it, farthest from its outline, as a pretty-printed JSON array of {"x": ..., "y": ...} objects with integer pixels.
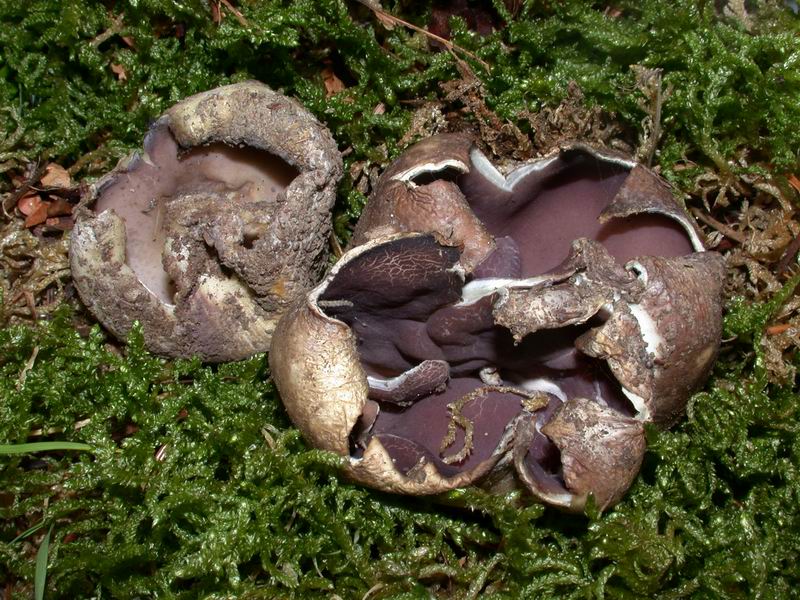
[
  {"x": 504, "y": 331},
  {"x": 207, "y": 236}
]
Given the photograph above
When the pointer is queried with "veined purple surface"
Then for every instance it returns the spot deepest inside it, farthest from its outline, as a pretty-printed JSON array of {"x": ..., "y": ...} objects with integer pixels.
[{"x": 403, "y": 304}]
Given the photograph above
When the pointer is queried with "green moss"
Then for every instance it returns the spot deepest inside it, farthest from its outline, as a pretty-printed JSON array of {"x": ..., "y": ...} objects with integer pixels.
[{"x": 197, "y": 486}]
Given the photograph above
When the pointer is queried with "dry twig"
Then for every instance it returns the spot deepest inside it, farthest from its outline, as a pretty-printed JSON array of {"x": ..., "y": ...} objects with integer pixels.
[
  {"x": 388, "y": 18},
  {"x": 239, "y": 16},
  {"x": 725, "y": 230}
]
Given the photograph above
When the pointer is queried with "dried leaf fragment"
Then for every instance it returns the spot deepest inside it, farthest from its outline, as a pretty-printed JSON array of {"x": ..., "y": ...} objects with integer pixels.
[
  {"x": 29, "y": 202},
  {"x": 119, "y": 71},
  {"x": 333, "y": 85},
  {"x": 55, "y": 176},
  {"x": 39, "y": 215}
]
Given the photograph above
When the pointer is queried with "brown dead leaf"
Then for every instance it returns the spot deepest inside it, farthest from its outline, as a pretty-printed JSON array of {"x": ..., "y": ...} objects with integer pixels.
[
  {"x": 779, "y": 328},
  {"x": 794, "y": 182},
  {"x": 119, "y": 71},
  {"x": 28, "y": 203},
  {"x": 58, "y": 208},
  {"x": 38, "y": 216},
  {"x": 333, "y": 85},
  {"x": 379, "y": 109},
  {"x": 55, "y": 176},
  {"x": 479, "y": 19},
  {"x": 64, "y": 223}
]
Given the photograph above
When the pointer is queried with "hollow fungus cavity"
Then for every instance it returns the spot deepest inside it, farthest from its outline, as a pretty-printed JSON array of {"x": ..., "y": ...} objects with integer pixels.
[
  {"x": 209, "y": 234},
  {"x": 504, "y": 330}
]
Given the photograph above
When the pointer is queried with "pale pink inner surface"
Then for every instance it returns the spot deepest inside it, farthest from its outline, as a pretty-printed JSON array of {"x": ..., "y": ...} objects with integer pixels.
[
  {"x": 164, "y": 172},
  {"x": 546, "y": 211}
]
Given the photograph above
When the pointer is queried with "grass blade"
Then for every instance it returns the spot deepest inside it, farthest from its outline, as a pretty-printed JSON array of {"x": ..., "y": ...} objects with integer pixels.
[
  {"x": 27, "y": 532},
  {"x": 41, "y": 447},
  {"x": 40, "y": 576}
]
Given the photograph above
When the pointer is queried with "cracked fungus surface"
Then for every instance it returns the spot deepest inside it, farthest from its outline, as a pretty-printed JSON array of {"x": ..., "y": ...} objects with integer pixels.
[
  {"x": 215, "y": 229},
  {"x": 525, "y": 336},
  {"x": 173, "y": 197}
]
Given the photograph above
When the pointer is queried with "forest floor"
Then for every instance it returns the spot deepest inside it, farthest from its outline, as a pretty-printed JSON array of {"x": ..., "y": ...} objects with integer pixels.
[{"x": 187, "y": 480}]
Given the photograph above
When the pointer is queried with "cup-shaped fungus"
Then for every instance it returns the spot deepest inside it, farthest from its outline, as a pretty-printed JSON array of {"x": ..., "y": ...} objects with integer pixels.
[
  {"x": 504, "y": 331},
  {"x": 208, "y": 235}
]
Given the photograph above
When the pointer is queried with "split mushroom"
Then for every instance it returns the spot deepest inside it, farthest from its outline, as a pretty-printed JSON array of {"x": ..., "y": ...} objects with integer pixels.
[
  {"x": 504, "y": 330},
  {"x": 208, "y": 235}
]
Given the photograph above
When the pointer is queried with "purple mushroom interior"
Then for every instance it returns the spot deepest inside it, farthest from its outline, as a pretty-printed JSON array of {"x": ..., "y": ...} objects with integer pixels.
[
  {"x": 403, "y": 302},
  {"x": 138, "y": 196}
]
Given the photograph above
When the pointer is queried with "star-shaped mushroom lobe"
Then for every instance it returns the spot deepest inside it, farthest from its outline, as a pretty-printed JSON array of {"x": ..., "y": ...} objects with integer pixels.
[{"x": 532, "y": 325}]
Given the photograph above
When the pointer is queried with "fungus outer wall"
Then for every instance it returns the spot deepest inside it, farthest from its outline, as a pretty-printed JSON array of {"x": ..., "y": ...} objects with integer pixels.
[
  {"x": 140, "y": 195},
  {"x": 405, "y": 301}
]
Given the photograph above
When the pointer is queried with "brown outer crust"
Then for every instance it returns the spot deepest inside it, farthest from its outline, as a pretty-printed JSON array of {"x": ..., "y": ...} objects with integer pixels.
[
  {"x": 645, "y": 192},
  {"x": 110, "y": 288},
  {"x": 440, "y": 208},
  {"x": 683, "y": 298},
  {"x": 398, "y": 206},
  {"x": 562, "y": 298},
  {"x": 445, "y": 146},
  {"x": 315, "y": 365},
  {"x": 243, "y": 309},
  {"x": 97, "y": 260},
  {"x": 526, "y": 429},
  {"x": 601, "y": 454},
  {"x": 601, "y": 450},
  {"x": 395, "y": 206},
  {"x": 251, "y": 114}
]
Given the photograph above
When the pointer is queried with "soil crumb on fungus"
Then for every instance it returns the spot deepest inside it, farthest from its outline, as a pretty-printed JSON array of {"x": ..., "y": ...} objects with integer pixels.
[
  {"x": 208, "y": 235},
  {"x": 504, "y": 330}
]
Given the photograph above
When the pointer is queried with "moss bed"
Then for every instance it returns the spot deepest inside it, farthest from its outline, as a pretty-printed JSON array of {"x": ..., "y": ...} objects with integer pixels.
[{"x": 188, "y": 481}]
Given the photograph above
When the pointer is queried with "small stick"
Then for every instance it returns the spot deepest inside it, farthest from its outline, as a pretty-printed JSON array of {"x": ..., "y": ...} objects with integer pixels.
[
  {"x": 336, "y": 247},
  {"x": 779, "y": 328},
  {"x": 239, "y": 16},
  {"x": 116, "y": 27},
  {"x": 728, "y": 232},
  {"x": 161, "y": 453},
  {"x": 788, "y": 256},
  {"x": 335, "y": 304},
  {"x": 656, "y": 133},
  {"x": 28, "y": 366},
  {"x": 446, "y": 43}
]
